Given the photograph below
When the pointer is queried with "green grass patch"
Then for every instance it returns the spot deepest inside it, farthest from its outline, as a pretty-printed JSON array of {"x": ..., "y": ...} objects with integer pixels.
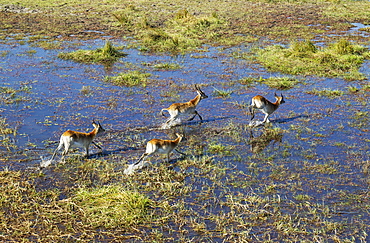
[
  {"x": 106, "y": 55},
  {"x": 182, "y": 33},
  {"x": 280, "y": 83},
  {"x": 167, "y": 66},
  {"x": 132, "y": 78},
  {"x": 330, "y": 93},
  {"x": 218, "y": 148},
  {"x": 111, "y": 206},
  {"x": 341, "y": 59}
]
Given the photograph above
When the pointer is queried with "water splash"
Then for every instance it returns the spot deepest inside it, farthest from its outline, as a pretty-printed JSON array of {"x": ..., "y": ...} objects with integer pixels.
[{"x": 45, "y": 163}]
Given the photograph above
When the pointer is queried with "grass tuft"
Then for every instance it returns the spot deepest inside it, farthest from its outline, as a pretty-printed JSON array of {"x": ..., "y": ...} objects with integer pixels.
[
  {"x": 280, "y": 83},
  {"x": 182, "y": 33},
  {"x": 223, "y": 93},
  {"x": 330, "y": 93},
  {"x": 111, "y": 206},
  {"x": 167, "y": 66},
  {"x": 132, "y": 78},
  {"x": 106, "y": 55},
  {"x": 341, "y": 59}
]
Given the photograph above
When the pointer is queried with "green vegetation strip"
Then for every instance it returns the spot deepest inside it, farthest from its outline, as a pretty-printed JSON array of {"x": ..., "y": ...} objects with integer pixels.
[
  {"x": 181, "y": 26},
  {"x": 280, "y": 83}
]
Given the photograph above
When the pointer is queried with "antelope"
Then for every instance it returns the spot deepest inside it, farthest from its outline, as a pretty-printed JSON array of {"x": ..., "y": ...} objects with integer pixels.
[
  {"x": 160, "y": 146},
  {"x": 177, "y": 109},
  {"x": 264, "y": 105},
  {"x": 71, "y": 139}
]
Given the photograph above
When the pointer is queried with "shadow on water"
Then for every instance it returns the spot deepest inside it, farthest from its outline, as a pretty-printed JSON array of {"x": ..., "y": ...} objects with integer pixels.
[
  {"x": 106, "y": 153},
  {"x": 290, "y": 119}
]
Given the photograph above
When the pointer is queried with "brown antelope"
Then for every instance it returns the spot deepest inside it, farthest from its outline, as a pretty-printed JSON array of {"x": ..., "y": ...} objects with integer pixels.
[
  {"x": 177, "y": 109},
  {"x": 264, "y": 105},
  {"x": 70, "y": 139},
  {"x": 160, "y": 146}
]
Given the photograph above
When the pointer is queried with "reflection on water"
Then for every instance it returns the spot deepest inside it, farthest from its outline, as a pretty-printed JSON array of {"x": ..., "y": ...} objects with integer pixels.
[{"x": 267, "y": 136}]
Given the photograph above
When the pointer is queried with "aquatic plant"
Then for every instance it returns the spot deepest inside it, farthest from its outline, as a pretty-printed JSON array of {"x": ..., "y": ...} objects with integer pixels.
[
  {"x": 5, "y": 128},
  {"x": 223, "y": 93},
  {"x": 106, "y": 55}
]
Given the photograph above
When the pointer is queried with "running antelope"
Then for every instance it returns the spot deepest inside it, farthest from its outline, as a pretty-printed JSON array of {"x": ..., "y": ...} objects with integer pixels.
[
  {"x": 177, "y": 109},
  {"x": 70, "y": 139},
  {"x": 161, "y": 146},
  {"x": 267, "y": 107}
]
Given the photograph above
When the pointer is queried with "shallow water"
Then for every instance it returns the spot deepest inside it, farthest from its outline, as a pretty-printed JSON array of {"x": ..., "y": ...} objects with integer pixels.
[{"x": 317, "y": 133}]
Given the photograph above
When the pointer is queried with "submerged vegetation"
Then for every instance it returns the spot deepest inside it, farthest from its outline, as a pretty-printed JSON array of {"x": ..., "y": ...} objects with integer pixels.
[
  {"x": 340, "y": 59},
  {"x": 7, "y": 134},
  {"x": 106, "y": 55},
  {"x": 9, "y": 95}
]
